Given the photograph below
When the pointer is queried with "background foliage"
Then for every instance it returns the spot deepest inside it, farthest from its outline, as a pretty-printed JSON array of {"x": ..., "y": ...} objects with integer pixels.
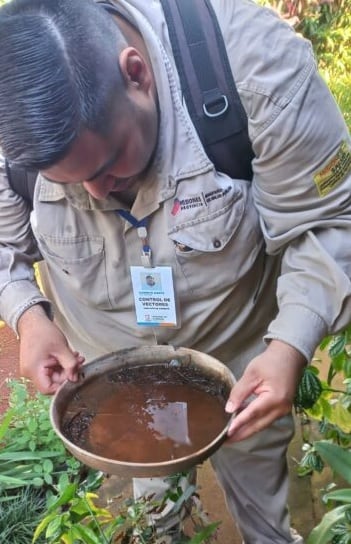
[{"x": 325, "y": 398}]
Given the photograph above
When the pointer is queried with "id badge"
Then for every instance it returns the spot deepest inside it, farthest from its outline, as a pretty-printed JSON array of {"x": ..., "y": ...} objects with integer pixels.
[{"x": 154, "y": 296}]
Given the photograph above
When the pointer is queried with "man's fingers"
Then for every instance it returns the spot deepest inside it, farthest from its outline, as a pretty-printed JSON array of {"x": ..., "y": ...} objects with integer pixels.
[
  {"x": 66, "y": 365},
  {"x": 255, "y": 417},
  {"x": 80, "y": 359},
  {"x": 241, "y": 391},
  {"x": 57, "y": 370},
  {"x": 44, "y": 383}
]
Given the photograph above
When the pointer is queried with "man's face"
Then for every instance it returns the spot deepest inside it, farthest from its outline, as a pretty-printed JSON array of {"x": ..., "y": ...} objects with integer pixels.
[
  {"x": 150, "y": 280},
  {"x": 111, "y": 164}
]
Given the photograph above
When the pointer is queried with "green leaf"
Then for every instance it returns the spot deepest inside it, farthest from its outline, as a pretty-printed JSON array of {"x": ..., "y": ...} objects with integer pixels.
[
  {"x": 48, "y": 478},
  {"x": 337, "y": 345},
  {"x": 85, "y": 507},
  {"x": 54, "y": 527},
  {"x": 48, "y": 465},
  {"x": 9, "y": 480},
  {"x": 42, "y": 526},
  {"x": 88, "y": 536},
  {"x": 309, "y": 390},
  {"x": 45, "y": 425},
  {"x": 26, "y": 455},
  {"x": 65, "y": 498},
  {"x": 205, "y": 533},
  {"x": 337, "y": 457},
  {"x": 326, "y": 404},
  {"x": 323, "y": 533},
  {"x": 189, "y": 491},
  {"x": 339, "y": 361},
  {"x": 342, "y": 495},
  {"x": 341, "y": 417},
  {"x": 38, "y": 482},
  {"x": 37, "y": 468},
  {"x": 325, "y": 342},
  {"x": 6, "y": 420},
  {"x": 32, "y": 425},
  {"x": 316, "y": 412},
  {"x": 93, "y": 481},
  {"x": 68, "y": 539},
  {"x": 347, "y": 367}
]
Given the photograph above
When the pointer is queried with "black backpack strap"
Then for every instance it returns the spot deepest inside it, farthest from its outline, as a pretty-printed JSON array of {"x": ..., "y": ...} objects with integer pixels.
[
  {"x": 22, "y": 180},
  {"x": 208, "y": 85}
]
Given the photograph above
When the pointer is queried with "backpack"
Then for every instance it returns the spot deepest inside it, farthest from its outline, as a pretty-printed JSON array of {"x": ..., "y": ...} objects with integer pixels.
[{"x": 208, "y": 87}]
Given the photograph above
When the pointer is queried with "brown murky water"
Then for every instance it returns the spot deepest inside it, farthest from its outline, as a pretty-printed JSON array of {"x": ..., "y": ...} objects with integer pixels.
[{"x": 147, "y": 414}]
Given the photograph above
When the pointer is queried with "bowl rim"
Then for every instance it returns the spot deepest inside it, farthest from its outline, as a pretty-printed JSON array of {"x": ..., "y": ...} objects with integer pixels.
[{"x": 198, "y": 455}]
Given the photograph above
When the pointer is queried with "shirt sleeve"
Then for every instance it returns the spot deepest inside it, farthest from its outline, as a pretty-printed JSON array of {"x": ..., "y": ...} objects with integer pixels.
[
  {"x": 18, "y": 253},
  {"x": 302, "y": 184},
  {"x": 302, "y": 188}
]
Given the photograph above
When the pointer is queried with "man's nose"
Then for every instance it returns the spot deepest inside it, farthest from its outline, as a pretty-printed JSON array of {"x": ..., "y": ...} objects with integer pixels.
[
  {"x": 94, "y": 189},
  {"x": 100, "y": 188}
]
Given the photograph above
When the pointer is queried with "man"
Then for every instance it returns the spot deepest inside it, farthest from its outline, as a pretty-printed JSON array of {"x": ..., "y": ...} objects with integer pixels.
[{"x": 93, "y": 102}]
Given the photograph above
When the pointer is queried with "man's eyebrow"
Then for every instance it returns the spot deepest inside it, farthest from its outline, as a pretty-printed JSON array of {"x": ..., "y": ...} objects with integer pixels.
[{"x": 98, "y": 172}]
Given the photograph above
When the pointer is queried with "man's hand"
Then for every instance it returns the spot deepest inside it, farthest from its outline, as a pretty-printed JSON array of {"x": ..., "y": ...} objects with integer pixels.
[
  {"x": 45, "y": 357},
  {"x": 272, "y": 378}
]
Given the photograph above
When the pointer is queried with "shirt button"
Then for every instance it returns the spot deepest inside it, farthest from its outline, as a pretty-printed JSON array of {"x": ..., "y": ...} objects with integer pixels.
[{"x": 217, "y": 243}]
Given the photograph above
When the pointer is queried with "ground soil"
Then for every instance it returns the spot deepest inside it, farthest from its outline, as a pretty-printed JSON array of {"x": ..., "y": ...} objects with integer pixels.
[{"x": 9, "y": 363}]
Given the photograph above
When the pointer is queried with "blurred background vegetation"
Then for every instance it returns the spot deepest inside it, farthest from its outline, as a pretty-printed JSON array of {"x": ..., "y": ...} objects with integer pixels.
[{"x": 327, "y": 24}]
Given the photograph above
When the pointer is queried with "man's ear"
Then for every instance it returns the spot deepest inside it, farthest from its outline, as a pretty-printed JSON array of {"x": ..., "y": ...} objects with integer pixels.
[{"x": 135, "y": 70}]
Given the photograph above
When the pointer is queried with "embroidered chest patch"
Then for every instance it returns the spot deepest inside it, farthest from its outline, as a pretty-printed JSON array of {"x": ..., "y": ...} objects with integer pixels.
[
  {"x": 199, "y": 200},
  {"x": 333, "y": 172}
]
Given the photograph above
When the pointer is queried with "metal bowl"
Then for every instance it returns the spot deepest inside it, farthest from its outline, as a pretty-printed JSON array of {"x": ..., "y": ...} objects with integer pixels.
[{"x": 141, "y": 356}]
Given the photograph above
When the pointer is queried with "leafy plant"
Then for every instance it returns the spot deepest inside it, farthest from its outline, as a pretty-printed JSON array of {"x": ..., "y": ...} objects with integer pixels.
[
  {"x": 31, "y": 454},
  {"x": 328, "y": 26},
  {"x": 328, "y": 401},
  {"x": 335, "y": 526},
  {"x": 19, "y": 516},
  {"x": 74, "y": 518}
]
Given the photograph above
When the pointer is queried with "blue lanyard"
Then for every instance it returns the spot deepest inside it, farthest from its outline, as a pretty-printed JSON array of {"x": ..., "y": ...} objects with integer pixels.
[
  {"x": 141, "y": 227},
  {"x": 131, "y": 219}
]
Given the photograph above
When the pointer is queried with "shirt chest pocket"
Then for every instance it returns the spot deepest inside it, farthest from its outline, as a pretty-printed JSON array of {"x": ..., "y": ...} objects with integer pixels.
[
  {"x": 78, "y": 263},
  {"x": 215, "y": 252}
]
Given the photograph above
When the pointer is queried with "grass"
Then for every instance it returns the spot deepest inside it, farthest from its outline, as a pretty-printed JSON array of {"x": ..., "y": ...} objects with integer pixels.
[{"x": 20, "y": 516}]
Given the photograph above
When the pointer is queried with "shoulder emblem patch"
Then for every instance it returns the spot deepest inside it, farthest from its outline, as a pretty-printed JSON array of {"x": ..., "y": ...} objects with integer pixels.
[{"x": 335, "y": 171}]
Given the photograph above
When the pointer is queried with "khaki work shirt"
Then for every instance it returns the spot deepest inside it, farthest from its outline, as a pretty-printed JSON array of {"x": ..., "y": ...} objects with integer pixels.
[{"x": 266, "y": 258}]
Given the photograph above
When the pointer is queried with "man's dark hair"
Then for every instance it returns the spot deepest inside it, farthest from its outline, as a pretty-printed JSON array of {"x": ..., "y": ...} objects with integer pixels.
[{"x": 59, "y": 75}]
